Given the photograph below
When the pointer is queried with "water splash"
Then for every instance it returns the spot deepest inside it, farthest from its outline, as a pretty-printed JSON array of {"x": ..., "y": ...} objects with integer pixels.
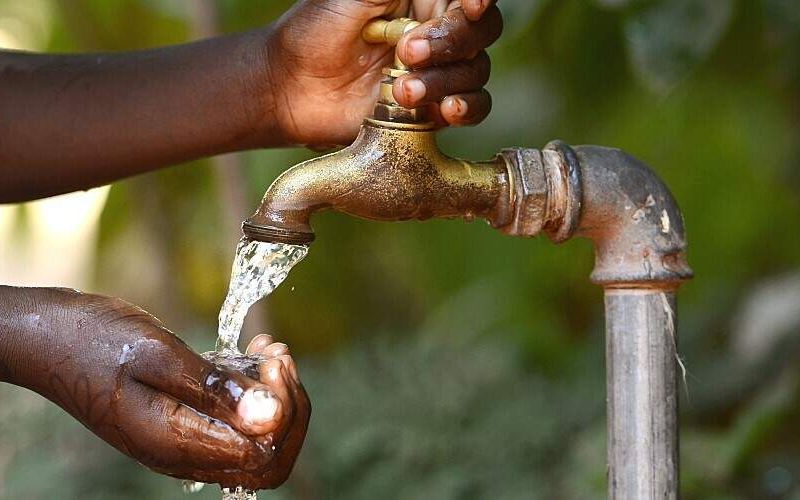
[
  {"x": 258, "y": 269},
  {"x": 190, "y": 486},
  {"x": 238, "y": 494}
]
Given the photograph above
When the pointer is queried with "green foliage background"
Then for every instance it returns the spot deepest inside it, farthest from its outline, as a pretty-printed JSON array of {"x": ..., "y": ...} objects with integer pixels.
[{"x": 445, "y": 360}]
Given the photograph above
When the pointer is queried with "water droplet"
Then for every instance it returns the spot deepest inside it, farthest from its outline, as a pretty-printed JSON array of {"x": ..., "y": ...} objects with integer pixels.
[
  {"x": 192, "y": 486},
  {"x": 238, "y": 494}
]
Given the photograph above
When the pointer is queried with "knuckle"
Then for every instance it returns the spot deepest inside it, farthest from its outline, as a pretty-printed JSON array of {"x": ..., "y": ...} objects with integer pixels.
[
  {"x": 482, "y": 106},
  {"x": 483, "y": 67},
  {"x": 489, "y": 101}
]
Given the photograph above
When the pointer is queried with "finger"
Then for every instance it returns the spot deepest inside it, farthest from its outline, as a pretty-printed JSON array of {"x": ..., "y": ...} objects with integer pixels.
[
  {"x": 165, "y": 434},
  {"x": 275, "y": 376},
  {"x": 449, "y": 38},
  {"x": 258, "y": 344},
  {"x": 291, "y": 367},
  {"x": 169, "y": 366},
  {"x": 422, "y": 10},
  {"x": 275, "y": 350},
  {"x": 431, "y": 85},
  {"x": 260, "y": 411},
  {"x": 466, "y": 109},
  {"x": 280, "y": 351},
  {"x": 291, "y": 446},
  {"x": 264, "y": 346},
  {"x": 474, "y": 9}
]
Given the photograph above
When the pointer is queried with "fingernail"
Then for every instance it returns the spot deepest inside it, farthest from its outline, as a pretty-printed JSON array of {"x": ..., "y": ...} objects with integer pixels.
[
  {"x": 290, "y": 367},
  {"x": 472, "y": 7},
  {"x": 414, "y": 90},
  {"x": 277, "y": 349},
  {"x": 419, "y": 50},
  {"x": 458, "y": 105},
  {"x": 259, "y": 343},
  {"x": 258, "y": 407}
]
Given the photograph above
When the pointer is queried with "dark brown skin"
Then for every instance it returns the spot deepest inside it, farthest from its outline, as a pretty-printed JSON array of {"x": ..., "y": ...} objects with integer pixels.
[
  {"x": 70, "y": 122},
  {"x": 128, "y": 379}
]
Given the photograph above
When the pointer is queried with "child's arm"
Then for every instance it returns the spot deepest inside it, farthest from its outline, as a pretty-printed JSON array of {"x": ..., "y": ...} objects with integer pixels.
[
  {"x": 133, "y": 383},
  {"x": 72, "y": 122}
]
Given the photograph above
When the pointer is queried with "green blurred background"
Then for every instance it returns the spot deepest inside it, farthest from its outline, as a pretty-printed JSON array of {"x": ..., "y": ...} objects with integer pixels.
[{"x": 445, "y": 360}]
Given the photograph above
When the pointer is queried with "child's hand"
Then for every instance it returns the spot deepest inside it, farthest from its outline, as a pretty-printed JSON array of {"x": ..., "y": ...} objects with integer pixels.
[
  {"x": 325, "y": 77},
  {"x": 132, "y": 382}
]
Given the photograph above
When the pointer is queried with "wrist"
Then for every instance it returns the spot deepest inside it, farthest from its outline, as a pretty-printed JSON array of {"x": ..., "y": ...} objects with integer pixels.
[
  {"x": 259, "y": 87},
  {"x": 26, "y": 318},
  {"x": 14, "y": 329}
]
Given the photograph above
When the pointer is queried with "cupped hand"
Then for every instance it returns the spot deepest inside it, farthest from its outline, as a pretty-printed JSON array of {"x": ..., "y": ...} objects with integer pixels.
[
  {"x": 325, "y": 76},
  {"x": 136, "y": 385}
]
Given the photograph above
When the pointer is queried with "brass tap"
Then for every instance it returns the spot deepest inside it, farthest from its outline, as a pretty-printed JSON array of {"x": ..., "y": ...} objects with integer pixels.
[{"x": 393, "y": 171}]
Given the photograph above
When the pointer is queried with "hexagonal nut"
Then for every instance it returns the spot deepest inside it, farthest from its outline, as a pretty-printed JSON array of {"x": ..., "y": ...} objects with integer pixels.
[
  {"x": 391, "y": 113},
  {"x": 529, "y": 183}
]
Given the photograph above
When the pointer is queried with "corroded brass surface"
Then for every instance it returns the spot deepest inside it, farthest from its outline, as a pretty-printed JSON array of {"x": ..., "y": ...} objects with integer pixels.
[{"x": 389, "y": 173}]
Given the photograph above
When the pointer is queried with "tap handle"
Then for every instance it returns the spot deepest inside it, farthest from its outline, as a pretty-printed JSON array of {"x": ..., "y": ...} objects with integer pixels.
[
  {"x": 383, "y": 31},
  {"x": 388, "y": 31}
]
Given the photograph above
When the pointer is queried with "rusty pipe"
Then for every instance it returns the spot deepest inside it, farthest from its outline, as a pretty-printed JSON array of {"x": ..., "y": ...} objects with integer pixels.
[
  {"x": 640, "y": 260},
  {"x": 391, "y": 172},
  {"x": 616, "y": 201}
]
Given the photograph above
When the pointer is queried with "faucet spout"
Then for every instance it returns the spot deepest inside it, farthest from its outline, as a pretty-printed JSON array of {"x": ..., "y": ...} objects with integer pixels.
[{"x": 392, "y": 172}]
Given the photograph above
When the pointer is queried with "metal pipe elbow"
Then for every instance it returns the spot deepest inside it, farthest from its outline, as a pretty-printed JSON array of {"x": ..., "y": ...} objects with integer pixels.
[
  {"x": 607, "y": 196},
  {"x": 632, "y": 218}
]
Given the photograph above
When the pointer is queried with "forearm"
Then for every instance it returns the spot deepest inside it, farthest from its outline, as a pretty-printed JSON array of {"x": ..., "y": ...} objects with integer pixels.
[{"x": 72, "y": 122}]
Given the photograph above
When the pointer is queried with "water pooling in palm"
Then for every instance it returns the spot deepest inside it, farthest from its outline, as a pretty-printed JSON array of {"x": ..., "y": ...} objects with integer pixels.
[{"x": 258, "y": 269}]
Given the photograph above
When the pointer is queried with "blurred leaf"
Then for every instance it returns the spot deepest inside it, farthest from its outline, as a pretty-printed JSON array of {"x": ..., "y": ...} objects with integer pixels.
[
  {"x": 669, "y": 38},
  {"x": 519, "y": 15},
  {"x": 453, "y": 410}
]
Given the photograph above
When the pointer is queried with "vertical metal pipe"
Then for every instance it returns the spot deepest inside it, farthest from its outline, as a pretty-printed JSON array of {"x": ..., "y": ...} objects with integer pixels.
[{"x": 641, "y": 359}]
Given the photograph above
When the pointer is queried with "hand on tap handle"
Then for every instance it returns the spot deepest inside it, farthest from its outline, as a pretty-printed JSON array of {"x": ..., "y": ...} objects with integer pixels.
[
  {"x": 129, "y": 380},
  {"x": 330, "y": 75}
]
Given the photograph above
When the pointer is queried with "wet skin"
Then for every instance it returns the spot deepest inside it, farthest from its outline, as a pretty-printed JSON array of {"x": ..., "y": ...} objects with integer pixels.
[
  {"x": 72, "y": 122},
  {"x": 129, "y": 380}
]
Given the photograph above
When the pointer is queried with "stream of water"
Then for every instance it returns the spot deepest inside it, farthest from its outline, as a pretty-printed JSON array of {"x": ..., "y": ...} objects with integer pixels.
[{"x": 258, "y": 269}]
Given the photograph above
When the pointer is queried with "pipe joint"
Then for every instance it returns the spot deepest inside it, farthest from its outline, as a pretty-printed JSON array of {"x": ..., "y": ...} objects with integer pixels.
[
  {"x": 545, "y": 191},
  {"x": 633, "y": 220},
  {"x": 607, "y": 196}
]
